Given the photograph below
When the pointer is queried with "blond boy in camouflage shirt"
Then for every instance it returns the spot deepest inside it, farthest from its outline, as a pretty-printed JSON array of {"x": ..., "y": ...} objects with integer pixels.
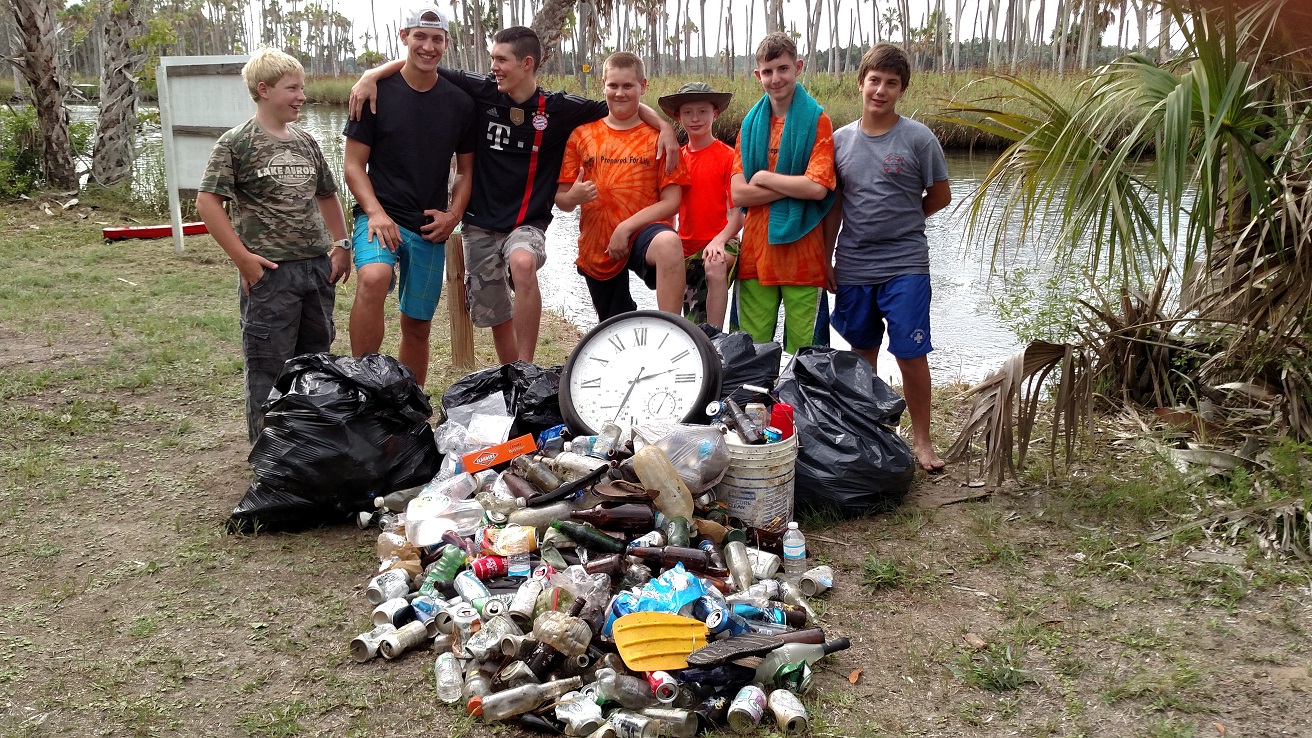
[{"x": 282, "y": 205}]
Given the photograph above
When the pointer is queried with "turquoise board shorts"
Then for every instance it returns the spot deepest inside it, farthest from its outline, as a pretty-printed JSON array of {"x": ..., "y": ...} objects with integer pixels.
[{"x": 420, "y": 264}]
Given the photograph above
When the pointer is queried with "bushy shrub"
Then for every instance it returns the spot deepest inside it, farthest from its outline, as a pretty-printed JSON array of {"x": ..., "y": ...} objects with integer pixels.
[{"x": 21, "y": 148}]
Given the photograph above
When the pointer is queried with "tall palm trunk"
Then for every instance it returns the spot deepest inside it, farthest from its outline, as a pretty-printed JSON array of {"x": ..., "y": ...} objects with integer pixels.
[
  {"x": 549, "y": 23},
  {"x": 40, "y": 61},
  {"x": 701, "y": 36},
  {"x": 120, "y": 64}
]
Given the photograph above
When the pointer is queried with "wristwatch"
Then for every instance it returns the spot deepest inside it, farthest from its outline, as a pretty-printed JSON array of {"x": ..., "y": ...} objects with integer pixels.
[{"x": 345, "y": 243}]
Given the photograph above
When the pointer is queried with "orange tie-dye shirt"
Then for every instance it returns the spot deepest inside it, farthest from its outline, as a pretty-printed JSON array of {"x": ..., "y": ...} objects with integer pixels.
[
  {"x": 802, "y": 262},
  {"x": 628, "y": 177}
]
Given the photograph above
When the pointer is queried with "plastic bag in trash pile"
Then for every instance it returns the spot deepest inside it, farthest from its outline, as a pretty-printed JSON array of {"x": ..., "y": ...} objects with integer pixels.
[
  {"x": 338, "y": 430},
  {"x": 529, "y": 390},
  {"x": 698, "y": 452},
  {"x": 745, "y": 362},
  {"x": 851, "y": 457}
]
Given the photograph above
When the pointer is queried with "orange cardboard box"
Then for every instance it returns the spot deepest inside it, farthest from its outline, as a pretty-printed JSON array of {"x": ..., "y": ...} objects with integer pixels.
[{"x": 476, "y": 461}]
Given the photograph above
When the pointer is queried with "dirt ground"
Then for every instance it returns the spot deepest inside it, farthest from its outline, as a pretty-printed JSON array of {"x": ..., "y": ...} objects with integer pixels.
[{"x": 129, "y": 611}]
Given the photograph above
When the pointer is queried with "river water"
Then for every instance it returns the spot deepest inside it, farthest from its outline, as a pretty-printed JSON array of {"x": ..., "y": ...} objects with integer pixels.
[{"x": 969, "y": 338}]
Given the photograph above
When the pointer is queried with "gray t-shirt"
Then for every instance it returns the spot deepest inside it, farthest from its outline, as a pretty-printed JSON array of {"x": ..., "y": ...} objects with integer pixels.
[{"x": 884, "y": 179}]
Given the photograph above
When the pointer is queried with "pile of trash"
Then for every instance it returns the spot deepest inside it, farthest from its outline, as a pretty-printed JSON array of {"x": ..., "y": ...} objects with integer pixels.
[{"x": 642, "y": 582}]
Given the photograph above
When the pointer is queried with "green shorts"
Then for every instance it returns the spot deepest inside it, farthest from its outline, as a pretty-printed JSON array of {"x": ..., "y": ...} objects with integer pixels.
[
  {"x": 804, "y": 318},
  {"x": 694, "y": 295}
]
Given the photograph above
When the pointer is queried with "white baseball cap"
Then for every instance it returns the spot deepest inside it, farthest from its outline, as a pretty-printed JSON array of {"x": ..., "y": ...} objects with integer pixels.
[{"x": 414, "y": 18}]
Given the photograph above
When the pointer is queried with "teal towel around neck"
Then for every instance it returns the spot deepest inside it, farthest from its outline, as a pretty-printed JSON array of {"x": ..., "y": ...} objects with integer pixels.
[{"x": 790, "y": 218}]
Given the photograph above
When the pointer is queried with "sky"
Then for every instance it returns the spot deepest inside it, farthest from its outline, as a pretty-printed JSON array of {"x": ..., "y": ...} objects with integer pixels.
[{"x": 388, "y": 11}]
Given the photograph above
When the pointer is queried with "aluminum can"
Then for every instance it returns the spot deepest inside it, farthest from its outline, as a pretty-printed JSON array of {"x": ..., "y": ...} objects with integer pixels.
[
  {"x": 403, "y": 639},
  {"x": 674, "y": 723},
  {"x": 632, "y": 725},
  {"x": 390, "y": 584},
  {"x": 395, "y": 612},
  {"x": 746, "y": 709},
  {"x": 464, "y": 624},
  {"x": 470, "y": 587},
  {"x": 788, "y": 711},
  {"x": 764, "y": 564},
  {"x": 525, "y": 599},
  {"x": 488, "y": 567},
  {"x": 654, "y": 539},
  {"x": 663, "y": 686},
  {"x": 365, "y": 646},
  {"x": 816, "y": 581}
]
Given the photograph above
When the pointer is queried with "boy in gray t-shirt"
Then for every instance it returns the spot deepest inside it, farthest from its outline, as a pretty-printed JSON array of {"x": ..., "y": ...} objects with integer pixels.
[{"x": 891, "y": 177}]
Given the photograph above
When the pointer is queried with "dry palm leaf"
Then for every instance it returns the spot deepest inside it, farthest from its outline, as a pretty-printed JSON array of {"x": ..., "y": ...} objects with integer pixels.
[{"x": 1006, "y": 403}]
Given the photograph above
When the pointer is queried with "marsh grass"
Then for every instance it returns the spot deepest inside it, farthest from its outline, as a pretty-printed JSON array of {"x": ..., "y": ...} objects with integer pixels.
[{"x": 837, "y": 93}]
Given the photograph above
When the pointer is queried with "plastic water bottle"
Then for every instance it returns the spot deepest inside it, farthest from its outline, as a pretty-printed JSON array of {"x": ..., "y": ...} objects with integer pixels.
[
  {"x": 450, "y": 678},
  {"x": 794, "y": 551}
]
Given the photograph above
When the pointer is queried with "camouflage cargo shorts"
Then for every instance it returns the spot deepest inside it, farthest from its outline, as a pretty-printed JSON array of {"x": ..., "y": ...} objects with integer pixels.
[{"x": 489, "y": 294}]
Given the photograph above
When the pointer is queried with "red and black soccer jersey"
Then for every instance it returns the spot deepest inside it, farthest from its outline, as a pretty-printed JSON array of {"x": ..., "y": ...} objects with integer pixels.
[{"x": 520, "y": 146}]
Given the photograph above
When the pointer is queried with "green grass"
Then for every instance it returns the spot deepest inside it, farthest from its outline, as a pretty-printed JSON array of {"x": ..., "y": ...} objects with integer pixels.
[
  {"x": 121, "y": 452},
  {"x": 877, "y": 573},
  {"x": 996, "y": 669}
]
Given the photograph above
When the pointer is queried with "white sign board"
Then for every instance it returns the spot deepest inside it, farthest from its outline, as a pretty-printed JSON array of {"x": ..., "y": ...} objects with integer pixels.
[{"x": 200, "y": 97}]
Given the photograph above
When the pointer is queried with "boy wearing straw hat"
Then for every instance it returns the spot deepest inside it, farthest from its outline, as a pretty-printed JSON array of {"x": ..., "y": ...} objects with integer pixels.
[{"x": 709, "y": 224}]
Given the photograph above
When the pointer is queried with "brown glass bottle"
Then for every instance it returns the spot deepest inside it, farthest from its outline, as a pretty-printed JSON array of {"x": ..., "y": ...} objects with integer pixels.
[
  {"x": 693, "y": 559},
  {"x": 627, "y": 516}
]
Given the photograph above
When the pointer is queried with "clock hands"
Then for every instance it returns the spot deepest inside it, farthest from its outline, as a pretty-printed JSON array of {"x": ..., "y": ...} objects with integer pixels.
[
  {"x": 649, "y": 376},
  {"x": 625, "y": 401}
]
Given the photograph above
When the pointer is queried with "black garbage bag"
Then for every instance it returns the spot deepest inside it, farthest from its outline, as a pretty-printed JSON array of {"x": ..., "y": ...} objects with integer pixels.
[
  {"x": 531, "y": 394},
  {"x": 337, "y": 431},
  {"x": 745, "y": 362},
  {"x": 851, "y": 458}
]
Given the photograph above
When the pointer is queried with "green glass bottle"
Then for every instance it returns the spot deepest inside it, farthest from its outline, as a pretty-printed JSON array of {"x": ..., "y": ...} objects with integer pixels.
[{"x": 589, "y": 537}]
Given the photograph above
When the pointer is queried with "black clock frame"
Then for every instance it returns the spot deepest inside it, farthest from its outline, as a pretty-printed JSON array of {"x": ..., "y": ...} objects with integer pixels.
[{"x": 712, "y": 368}]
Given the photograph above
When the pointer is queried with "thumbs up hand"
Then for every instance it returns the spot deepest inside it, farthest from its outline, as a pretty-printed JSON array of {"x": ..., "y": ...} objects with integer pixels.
[
  {"x": 570, "y": 195},
  {"x": 583, "y": 190}
]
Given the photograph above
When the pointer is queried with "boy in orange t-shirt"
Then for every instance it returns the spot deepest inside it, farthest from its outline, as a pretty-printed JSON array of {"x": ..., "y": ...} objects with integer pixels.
[
  {"x": 709, "y": 224},
  {"x": 784, "y": 176},
  {"x": 627, "y": 198}
]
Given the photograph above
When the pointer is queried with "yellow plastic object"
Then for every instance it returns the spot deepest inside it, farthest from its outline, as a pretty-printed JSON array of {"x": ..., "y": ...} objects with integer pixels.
[{"x": 657, "y": 641}]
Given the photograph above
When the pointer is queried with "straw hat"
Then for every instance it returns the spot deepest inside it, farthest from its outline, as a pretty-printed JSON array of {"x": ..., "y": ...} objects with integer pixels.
[{"x": 693, "y": 92}]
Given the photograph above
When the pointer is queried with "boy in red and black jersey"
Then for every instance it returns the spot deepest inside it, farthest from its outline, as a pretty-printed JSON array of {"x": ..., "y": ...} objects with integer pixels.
[{"x": 522, "y": 134}]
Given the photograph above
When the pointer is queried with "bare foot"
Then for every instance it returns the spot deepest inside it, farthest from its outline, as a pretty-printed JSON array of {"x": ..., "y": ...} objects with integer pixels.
[{"x": 929, "y": 460}]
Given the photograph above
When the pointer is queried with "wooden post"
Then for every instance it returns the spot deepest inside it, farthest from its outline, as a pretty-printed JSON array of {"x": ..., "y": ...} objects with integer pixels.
[{"x": 462, "y": 329}]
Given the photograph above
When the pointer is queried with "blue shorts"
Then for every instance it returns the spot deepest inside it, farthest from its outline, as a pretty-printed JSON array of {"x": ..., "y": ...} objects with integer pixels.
[
  {"x": 860, "y": 311},
  {"x": 420, "y": 265}
]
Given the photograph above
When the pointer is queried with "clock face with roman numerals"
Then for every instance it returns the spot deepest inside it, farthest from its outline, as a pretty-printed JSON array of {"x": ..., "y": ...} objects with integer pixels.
[{"x": 639, "y": 367}]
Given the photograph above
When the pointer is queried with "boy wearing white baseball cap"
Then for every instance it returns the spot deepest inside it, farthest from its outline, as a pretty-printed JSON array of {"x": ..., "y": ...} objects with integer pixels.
[{"x": 397, "y": 165}]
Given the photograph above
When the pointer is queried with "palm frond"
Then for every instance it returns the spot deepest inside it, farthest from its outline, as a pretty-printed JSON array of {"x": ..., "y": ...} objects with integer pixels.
[{"x": 1006, "y": 405}]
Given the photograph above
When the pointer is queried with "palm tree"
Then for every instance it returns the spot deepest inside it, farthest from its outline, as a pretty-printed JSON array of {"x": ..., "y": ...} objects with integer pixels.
[
  {"x": 1194, "y": 173},
  {"x": 39, "y": 58},
  {"x": 121, "y": 61}
]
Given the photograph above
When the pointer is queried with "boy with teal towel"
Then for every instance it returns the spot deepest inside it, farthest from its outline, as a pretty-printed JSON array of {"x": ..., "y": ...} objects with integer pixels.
[{"x": 784, "y": 175}]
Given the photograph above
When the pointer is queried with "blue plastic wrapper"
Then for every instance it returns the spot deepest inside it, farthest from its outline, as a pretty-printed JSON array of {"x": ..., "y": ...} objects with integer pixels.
[
  {"x": 550, "y": 434},
  {"x": 671, "y": 591}
]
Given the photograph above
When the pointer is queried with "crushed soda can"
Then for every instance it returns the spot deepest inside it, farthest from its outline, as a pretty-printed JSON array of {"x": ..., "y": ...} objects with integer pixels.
[{"x": 365, "y": 646}]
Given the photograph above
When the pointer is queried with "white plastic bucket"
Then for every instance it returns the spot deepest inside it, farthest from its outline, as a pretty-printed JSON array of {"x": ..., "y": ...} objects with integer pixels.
[{"x": 758, "y": 486}]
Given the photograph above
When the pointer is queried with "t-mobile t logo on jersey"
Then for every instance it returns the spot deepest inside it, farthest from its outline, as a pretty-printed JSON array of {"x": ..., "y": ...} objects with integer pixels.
[{"x": 498, "y": 134}]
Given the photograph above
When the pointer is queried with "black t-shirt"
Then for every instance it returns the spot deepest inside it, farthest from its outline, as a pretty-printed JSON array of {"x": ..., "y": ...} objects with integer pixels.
[
  {"x": 506, "y": 150},
  {"x": 411, "y": 142}
]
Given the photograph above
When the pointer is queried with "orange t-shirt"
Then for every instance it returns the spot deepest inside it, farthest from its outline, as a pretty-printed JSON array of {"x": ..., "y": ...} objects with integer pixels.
[
  {"x": 628, "y": 177},
  {"x": 703, "y": 211},
  {"x": 802, "y": 262}
]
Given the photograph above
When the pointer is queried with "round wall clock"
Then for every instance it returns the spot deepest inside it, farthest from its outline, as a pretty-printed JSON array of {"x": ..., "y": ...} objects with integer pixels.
[{"x": 639, "y": 367}]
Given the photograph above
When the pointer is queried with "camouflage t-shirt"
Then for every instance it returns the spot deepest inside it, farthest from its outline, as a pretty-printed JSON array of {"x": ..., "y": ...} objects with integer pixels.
[{"x": 271, "y": 186}]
